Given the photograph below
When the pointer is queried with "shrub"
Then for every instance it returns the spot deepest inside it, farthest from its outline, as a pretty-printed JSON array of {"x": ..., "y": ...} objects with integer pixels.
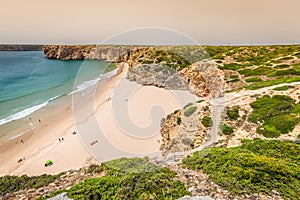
[
  {"x": 188, "y": 105},
  {"x": 259, "y": 166},
  {"x": 9, "y": 184},
  {"x": 190, "y": 111},
  {"x": 282, "y": 66},
  {"x": 275, "y": 113},
  {"x": 283, "y": 88},
  {"x": 227, "y": 130},
  {"x": 233, "y": 113},
  {"x": 158, "y": 184},
  {"x": 268, "y": 83},
  {"x": 207, "y": 121},
  {"x": 232, "y": 66},
  {"x": 255, "y": 79},
  {"x": 178, "y": 120},
  {"x": 256, "y": 72}
]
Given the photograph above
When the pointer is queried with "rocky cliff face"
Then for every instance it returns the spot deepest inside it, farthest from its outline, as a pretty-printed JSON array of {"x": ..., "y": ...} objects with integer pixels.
[
  {"x": 158, "y": 75},
  {"x": 204, "y": 78},
  {"x": 182, "y": 130},
  {"x": 13, "y": 47},
  {"x": 110, "y": 53}
]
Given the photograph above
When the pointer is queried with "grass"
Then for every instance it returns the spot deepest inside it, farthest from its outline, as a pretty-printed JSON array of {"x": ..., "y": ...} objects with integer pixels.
[
  {"x": 278, "y": 115},
  {"x": 254, "y": 167},
  {"x": 190, "y": 111}
]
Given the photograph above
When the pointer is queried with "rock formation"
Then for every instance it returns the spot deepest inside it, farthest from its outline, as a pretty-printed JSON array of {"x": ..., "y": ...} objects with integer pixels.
[
  {"x": 204, "y": 78},
  {"x": 158, "y": 75},
  {"x": 110, "y": 53}
]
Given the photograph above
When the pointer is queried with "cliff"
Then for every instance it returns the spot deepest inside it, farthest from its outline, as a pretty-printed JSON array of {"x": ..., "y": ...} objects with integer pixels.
[
  {"x": 110, "y": 53},
  {"x": 13, "y": 47}
]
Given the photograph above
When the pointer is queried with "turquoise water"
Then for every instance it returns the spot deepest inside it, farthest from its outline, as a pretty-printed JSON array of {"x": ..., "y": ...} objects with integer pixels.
[{"x": 28, "y": 81}]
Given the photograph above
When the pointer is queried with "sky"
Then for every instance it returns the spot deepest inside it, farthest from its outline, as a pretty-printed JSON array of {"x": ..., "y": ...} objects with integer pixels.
[{"x": 213, "y": 22}]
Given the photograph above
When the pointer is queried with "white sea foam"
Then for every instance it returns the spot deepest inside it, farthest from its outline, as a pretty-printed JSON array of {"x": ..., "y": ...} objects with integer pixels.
[
  {"x": 86, "y": 84},
  {"x": 25, "y": 112}
]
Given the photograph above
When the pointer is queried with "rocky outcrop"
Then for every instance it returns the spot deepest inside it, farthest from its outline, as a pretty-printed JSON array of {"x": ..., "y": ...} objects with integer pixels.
[
  {"x": 204, "y": 78},
  {"x": 14, "y": 47},
  {"x": 110, "y": 53},
  {"x": 182, "y": 130},
  {"x": 158, "y": 75}
]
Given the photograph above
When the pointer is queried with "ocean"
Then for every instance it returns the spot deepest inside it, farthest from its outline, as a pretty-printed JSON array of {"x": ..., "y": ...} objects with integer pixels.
[{"x": 29, "y": 82}]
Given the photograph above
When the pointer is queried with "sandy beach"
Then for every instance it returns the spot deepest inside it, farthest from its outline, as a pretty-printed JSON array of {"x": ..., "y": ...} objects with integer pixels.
[{"x": 120, "y": 118}]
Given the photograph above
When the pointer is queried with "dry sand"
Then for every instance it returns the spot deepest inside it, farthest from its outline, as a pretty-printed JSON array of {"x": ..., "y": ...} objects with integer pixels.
[{"x": 115, "y": 121}]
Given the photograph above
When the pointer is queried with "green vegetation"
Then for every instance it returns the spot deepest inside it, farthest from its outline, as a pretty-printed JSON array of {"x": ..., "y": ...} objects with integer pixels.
[
  {"x": 283, "y": 88},
  {"x": 287, "y": 58},
  {"x": 278, "y": 115},
  {"x": 188, "y": 105},
  {"x": 190, "y": 111},
  {"x": 9, "y": 184},
  {"x": 256, "y": 72},
  {"x": 244, "y": 141},
  {"x": 273, "y": 82},
  {"x": 282, "y": 66},
  {"x": 133, "y": 183},
  {"x": 257, "y": 166},
  {"x": 207, "y": 121},
  {"x": 227, "y": 130},
  {"x": 231, "y": 66},
  {"x": 256, "y": 61},
  {"x": 291, "y": 71},
  {"x": 298, "y": 136},
  {"x": 233, "y": 113},
  {"x": 254, "y": 79},
  {"x": 178, "y": 120}
]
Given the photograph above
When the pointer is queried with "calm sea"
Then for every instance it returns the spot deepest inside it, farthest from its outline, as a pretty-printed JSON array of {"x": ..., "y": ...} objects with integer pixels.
[{"x": 28, "y": 81}]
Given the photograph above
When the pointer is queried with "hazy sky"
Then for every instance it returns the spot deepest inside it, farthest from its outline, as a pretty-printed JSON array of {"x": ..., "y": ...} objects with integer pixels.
[{"x": 206, "y": 21}]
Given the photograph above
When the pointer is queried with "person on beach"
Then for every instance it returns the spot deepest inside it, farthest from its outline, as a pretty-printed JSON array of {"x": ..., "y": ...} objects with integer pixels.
[
  {"x": 22, "y": 141},
  {"x": 59, "y": 139},
  {"x": 39, "y": 120}
]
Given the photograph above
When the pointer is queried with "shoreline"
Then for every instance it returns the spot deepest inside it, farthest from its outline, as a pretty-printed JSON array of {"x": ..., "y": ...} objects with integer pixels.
[
  {"x": 56, "y": 122},
  {"x": 98, "y": 116}
]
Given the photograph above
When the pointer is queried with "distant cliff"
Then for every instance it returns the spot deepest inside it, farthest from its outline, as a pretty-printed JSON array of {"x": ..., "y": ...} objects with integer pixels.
[
  {"x": 12, "y": 47},
  {"x": 111, "y": 53}
]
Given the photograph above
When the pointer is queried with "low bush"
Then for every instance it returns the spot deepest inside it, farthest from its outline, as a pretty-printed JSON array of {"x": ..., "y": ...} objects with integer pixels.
[
  {"x": 233, "y": 113},
  {"x": 282, "y": 66},
  {"x": 227, "y": 130},
  {"x": 207, "y": 121},
  {"x": 268, "y": 83},
  {"x": 9, "y": 184},
  {"x": 254, "y": 79},
  {"x": 258, "y": 166},
  {"x": 178, "y": 120},
  {"x": 276, "y": 114},
  {"x": 283, "y": 88},
  {"x": 152, "y": 184},
  {"x": 190, "y": 111}
]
